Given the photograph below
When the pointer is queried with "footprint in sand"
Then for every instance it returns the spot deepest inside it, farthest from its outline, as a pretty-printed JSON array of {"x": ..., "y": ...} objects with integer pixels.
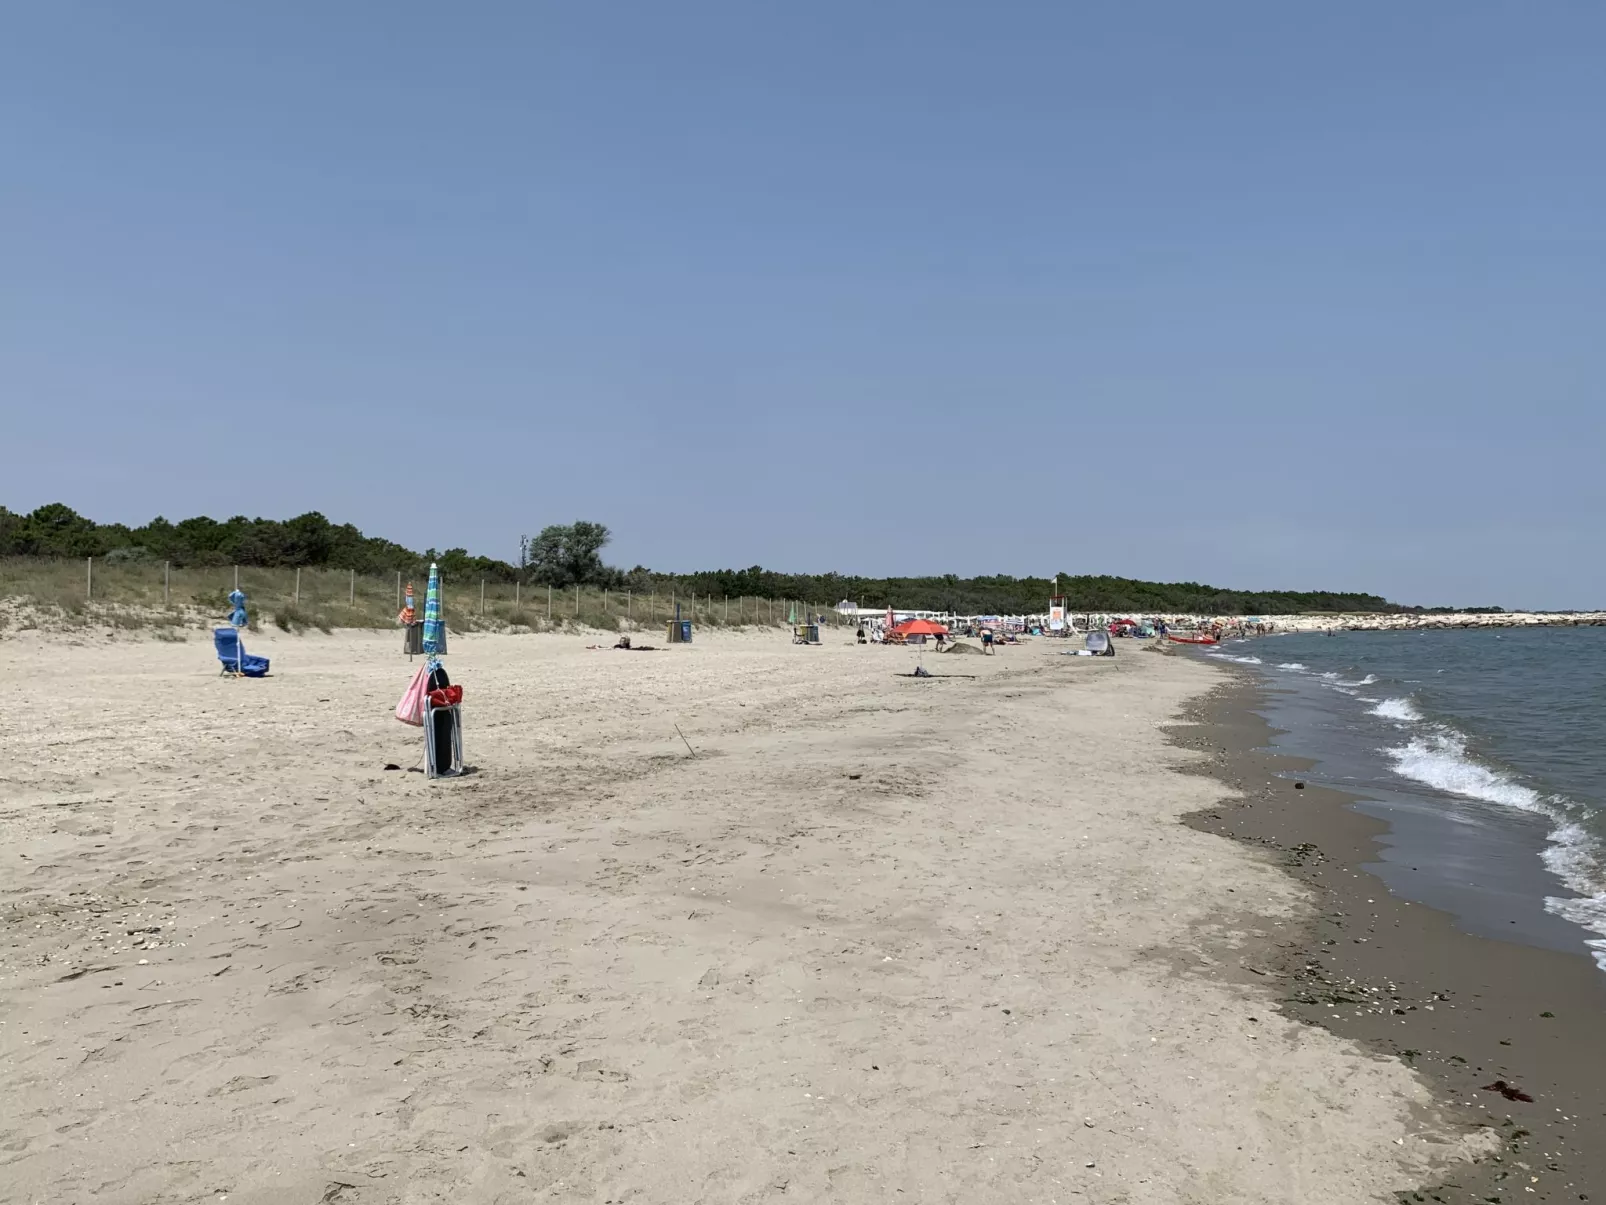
[{"x": 243, "y": 1083}]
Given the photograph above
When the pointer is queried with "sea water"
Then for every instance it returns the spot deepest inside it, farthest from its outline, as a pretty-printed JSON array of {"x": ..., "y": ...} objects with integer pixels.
[{"x": 1483, "y": 750}]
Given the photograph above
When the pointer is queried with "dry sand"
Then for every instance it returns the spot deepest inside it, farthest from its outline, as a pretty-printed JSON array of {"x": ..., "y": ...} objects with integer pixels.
[{"x": 880, "y": 939}]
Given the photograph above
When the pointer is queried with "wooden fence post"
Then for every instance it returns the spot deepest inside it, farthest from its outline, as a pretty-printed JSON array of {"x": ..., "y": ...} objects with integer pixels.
[
  {"x": 549, "y": 604},
  {"x": 482, "y": 596},
  {"x": 630, "y": 598},
  {"x": 353, "y": 599},
  {"x": 577, "y": 598},
  {"x": 167, "y": 582},
  {"x": 89, "y": 578},
  {"x": 236, "y": 577},
  {"x": 516, "y": 587},
  {"x": 398, "y": 591},
  {"x": 298, "y": 585}
]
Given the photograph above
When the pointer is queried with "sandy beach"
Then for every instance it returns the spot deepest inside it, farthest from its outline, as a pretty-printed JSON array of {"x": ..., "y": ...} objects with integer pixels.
[{"x": 871, "y": 938}]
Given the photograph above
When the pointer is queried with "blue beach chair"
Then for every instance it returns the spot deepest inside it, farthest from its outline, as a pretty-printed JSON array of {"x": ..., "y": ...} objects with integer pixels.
[{"x": 235, "y": 659}]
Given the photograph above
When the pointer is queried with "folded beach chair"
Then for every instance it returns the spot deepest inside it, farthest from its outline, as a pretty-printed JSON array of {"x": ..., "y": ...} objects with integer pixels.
[
  {"x": 1099, "y": 644},
  {"x": 235, "y": 659}
]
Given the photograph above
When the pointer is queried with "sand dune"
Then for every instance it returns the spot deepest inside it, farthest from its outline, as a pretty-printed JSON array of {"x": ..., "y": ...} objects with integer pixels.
[{"x": 880, "y": 939}]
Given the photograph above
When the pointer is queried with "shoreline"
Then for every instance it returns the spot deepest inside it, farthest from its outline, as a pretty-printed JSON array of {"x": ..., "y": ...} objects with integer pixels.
[{"x": 1400, "y": 977}]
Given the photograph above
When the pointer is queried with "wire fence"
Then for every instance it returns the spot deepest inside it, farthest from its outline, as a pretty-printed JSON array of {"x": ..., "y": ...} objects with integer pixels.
[{"x": 329, "y": 598}]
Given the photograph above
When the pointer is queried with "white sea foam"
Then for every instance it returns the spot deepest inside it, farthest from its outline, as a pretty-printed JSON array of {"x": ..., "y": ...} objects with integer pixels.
[
  {"x": 1574, "y": 857},
  {"x": 1400, "y": 710},
  {"x": 1588, "y": 912},
  {"x": 1244, "y": 660},
  {"x": 1369, "y": 680},
  {"x": 1439, "y": 759},
  {"x": 1294, "y": 665}
]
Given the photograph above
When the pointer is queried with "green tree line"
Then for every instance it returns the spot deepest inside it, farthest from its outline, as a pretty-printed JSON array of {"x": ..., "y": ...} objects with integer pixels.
[{"x": 564, "y": 555}]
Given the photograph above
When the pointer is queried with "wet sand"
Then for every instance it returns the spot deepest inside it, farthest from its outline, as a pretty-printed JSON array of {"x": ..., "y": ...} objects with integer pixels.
[{"x": 1403, "y": 978}]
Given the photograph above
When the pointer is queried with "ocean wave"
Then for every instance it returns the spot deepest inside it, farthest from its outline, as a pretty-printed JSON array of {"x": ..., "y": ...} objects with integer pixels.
[
  {"x": 1573, "y": 856},
  {"x": 1439, "y": 759},
  {"x": 1588, "y": 912},
  {"x": 1369, "y": 680},
  {"x": 1244, "y": 660},
  {"x": 1401, "y": 710},
  {"x": 1294, "y": 665}
]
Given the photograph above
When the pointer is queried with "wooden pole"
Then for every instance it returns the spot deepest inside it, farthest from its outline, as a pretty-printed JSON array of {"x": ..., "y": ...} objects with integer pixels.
[
  {"x": 577, "y": 598},
  {"x": 482, "y": 596},
  {"x": 630, "y": 598},
  {"x": 398, "y": 591},
  {"x": 727, "y": 609},
  {"x": 89, "y": 578},
  {"x": 353, "y": 599},
  {"x": 549, "y": 604},
  {"x": 167, "y": 582},
  {"x": 516, "y": 586},
  {"x": 236, "y": 577},
  {"x": 298, "y": 585}
]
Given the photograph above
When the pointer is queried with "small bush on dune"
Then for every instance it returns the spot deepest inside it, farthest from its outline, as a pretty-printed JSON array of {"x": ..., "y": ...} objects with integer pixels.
[{"x": 291, "y": 618}]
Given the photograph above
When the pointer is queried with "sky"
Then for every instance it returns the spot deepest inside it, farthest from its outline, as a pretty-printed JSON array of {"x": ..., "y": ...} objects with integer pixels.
[{"x": 1257, "y": 294}]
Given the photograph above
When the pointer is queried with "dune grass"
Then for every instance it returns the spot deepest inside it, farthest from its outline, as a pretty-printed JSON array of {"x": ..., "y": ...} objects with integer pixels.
[{"x": 137, "y": 596}]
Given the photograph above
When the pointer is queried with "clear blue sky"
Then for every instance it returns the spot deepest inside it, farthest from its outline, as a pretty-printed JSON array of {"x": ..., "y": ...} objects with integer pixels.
[{"x": 1260, "y": 294}]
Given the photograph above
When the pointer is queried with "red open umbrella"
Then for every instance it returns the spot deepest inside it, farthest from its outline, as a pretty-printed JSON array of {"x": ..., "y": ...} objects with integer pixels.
[{"x": 920, "y": 627}]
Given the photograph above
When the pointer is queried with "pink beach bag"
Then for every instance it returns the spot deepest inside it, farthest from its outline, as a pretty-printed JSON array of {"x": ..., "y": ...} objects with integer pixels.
[{"x": 411, "y": 708}]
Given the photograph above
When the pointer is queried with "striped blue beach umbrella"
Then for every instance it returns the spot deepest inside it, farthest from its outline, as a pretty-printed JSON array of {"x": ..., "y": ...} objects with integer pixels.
[{"x": 434, "y": 625}]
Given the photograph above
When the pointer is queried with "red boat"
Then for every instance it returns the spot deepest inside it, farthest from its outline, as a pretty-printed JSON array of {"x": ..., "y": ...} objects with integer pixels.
[{"x": 1191, "y": 639}]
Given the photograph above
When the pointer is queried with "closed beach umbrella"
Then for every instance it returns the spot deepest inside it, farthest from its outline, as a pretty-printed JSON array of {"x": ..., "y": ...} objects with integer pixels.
[{"x": 434, "y": 626}]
